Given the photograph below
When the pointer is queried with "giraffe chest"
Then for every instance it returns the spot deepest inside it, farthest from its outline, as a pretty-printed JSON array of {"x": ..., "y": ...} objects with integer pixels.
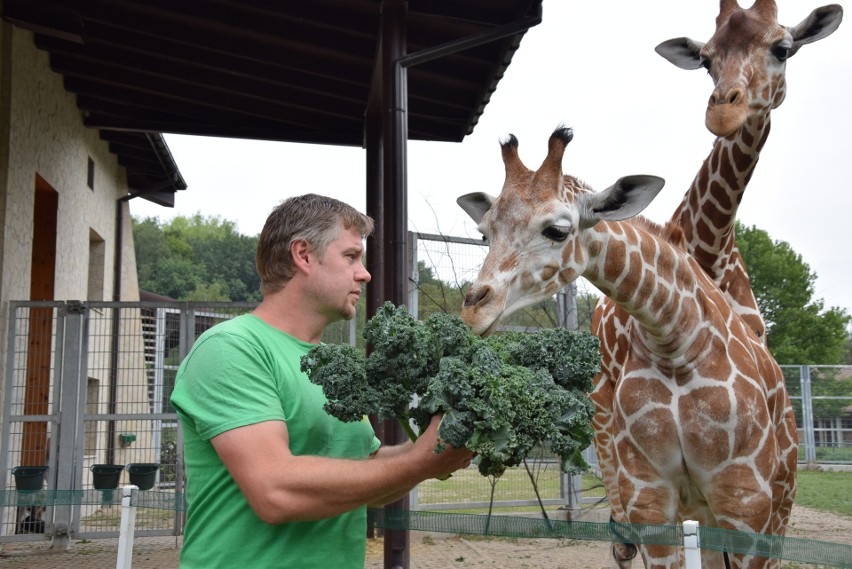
[{"x": 691, "y": 418}]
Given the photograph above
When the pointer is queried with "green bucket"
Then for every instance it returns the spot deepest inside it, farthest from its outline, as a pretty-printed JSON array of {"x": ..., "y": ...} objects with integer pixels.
[
  {"x": 29, "y": 478},
  {"x": 106, "y": 476},
  {"x": 143, "y": 474}
]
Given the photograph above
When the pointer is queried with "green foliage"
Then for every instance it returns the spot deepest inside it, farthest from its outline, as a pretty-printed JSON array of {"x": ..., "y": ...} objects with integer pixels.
[
  {"x": 501, "y": 397},
  {"x": 799, "y": 328},
  {"x": 196, "y": 258},
  {"x": 340, "y": 370},
  {"x": 546, "y": 350},
  {"x": 847, "y": 350},
  {"x": 831, "y": 392},
  {"x": 586, "y": 303},
  {"x": 205, "y": 292}
]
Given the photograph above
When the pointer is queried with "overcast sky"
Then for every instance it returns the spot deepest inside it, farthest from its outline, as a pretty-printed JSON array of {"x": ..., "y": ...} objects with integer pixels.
[{"x": 591, "y": 66}]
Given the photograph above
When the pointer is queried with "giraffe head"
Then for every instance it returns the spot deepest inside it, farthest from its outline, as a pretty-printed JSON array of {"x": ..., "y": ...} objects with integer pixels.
[
  {"x": 747, "y": 57},
  {"x": 537, "y": 230}
]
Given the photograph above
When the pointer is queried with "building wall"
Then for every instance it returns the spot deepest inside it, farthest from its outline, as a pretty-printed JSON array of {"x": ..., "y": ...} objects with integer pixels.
[
  {"x": 42, "y": 134},
  {"x": 47, "y": 137}
]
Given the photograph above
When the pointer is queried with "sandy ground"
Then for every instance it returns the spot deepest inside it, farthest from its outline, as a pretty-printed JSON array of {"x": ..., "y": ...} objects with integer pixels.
[{"x": 428, "y": 550}]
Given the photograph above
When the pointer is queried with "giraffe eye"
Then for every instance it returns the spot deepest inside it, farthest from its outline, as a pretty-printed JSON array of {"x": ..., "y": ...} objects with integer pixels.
[
  {"x": 781, "y": 51},
  {"x": 556, "y": 233}
]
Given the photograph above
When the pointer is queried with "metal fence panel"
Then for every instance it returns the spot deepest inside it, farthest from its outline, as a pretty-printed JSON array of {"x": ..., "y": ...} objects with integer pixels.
[
  {"x": 87, "y": 392},
  {"x": 97, "y": 376}
]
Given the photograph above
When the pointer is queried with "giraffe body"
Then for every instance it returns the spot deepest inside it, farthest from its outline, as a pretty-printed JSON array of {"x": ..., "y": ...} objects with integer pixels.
[
  {"x": 701, "y": 424},
  {"x": 746, "y": 59}
]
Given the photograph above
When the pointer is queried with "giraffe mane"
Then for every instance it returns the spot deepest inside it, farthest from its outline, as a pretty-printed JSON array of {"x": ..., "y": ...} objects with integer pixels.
[
  {"x": 669, "y": 231},
  {"x": 577, "y": 183}
]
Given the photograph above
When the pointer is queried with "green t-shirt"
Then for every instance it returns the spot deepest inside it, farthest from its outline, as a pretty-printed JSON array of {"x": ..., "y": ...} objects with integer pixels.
[{"x": 240, "y": 372}]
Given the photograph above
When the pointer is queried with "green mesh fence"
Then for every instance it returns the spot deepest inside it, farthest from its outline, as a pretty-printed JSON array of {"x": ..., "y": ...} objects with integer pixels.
[
  {"x": 50, "y": 498},
  {"x": 791, "y": 549}
]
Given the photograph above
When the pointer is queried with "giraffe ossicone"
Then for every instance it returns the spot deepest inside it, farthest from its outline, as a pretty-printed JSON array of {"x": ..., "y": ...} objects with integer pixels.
[{"x": 701, "y": 424}]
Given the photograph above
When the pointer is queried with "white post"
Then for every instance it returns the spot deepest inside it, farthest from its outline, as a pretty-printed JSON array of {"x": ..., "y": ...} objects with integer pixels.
[
  {"x": 127, "y": 528},
  {"x": 691, "y": 545}
]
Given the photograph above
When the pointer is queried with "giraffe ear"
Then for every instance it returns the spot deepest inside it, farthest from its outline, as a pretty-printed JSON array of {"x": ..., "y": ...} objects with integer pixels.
[
  {"x": 624, "y": 199},
  {"x": 683, "y": 52},
  {"x": 819, "y": 24},
  {"x": 476, "y": 205}
]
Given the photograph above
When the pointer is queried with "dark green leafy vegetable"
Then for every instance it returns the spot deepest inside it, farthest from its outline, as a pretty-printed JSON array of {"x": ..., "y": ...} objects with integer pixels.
[{"x": 501, "y": 396}]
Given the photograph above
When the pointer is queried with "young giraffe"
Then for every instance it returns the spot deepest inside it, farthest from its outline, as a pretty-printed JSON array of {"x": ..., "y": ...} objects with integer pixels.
[
  {"x": 702, "y": 424},
  {"x": 746, "y": 58}
]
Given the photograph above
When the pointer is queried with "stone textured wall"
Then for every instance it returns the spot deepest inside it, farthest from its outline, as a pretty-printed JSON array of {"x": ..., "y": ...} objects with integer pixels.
[
  {"x": 47, "y": 137},
  {"x": 42, "y": 134}
]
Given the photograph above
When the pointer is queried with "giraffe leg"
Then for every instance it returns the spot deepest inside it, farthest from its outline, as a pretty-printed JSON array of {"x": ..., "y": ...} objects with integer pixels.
[{"x": 623, "y": 552}]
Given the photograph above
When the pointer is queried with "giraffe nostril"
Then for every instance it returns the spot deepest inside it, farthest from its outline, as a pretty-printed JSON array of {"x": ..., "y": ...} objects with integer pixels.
[
  {"x": 734, "y": 96},
  {"x": 478, "y": 296}
]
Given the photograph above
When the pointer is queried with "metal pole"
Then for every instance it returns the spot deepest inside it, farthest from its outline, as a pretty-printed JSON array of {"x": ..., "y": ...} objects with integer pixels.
[
  {"x": 127, "y": 527},
  {"x": 395, "y": 135},
  {"x": 691, "y": 545},
  {"x": 70, "y": 417},
  {"x": 808, "y": 416},
  {"x": 566, "y": 308}
]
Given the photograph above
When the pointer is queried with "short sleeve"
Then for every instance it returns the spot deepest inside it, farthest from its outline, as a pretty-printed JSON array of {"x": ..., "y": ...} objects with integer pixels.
[{"x": 225, "y": 383}]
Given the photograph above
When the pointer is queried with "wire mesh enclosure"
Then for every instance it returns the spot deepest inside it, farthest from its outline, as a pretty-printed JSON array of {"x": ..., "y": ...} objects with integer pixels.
[
  {"x": 86, "y": 406},
  {"x": 87, "y": 399}
]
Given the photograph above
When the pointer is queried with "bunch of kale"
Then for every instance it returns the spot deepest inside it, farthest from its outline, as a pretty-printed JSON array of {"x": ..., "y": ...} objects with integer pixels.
[{"x": 501, "y": 396}]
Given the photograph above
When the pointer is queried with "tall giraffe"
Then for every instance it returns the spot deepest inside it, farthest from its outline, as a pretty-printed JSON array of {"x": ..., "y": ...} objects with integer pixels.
[
  {"x": 702, "y": 424},
  {"x": 746, "y": 58}
]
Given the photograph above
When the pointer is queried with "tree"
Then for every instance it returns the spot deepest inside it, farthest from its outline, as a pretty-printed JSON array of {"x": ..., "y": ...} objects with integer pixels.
[
  {"x": 847, "y": 350},
  {"x": 196, "y": 258},
  {"x": 799, "y": 328},
  {"x": 586, "y": 302}
]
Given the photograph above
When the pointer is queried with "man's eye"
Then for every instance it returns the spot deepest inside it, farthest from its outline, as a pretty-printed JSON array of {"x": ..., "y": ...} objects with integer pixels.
[{"x": 556, "y": 233}]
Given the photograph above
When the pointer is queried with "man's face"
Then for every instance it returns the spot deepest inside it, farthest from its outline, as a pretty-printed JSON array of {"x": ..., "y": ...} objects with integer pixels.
[{"x": 342, "y": 275}]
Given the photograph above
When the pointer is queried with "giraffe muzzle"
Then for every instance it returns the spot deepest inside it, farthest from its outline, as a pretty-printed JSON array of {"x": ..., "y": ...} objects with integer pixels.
[{"x": 478, "y": 296}]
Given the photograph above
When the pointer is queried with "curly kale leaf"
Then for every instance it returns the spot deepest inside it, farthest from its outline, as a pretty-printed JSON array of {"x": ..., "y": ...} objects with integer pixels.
[
  {"x": 501, "y": 397},
  {"x": 573, "y": 412},
  {"x": 405, "y": 354},
  {"x": 453, "y": 336},
  {"x": 571, "y": 358},
  {"x": 340, "y": 371}
]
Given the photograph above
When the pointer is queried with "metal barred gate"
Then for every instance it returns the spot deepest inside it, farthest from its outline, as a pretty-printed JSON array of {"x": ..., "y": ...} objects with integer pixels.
[{"x": 87, "y": 391}]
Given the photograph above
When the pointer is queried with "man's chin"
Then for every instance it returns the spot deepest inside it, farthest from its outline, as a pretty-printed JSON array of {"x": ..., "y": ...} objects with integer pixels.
[{"x": 348, "y": 313}]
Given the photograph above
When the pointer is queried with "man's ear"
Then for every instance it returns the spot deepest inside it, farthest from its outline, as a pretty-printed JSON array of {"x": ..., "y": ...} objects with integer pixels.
[{"x": 301, "y": 252}]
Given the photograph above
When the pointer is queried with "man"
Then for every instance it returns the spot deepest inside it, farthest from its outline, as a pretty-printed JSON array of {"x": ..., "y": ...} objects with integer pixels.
[{"x": 272, "y": 480}]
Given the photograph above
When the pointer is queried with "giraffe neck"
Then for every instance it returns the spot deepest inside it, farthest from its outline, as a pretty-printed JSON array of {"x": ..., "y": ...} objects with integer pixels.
[
  {"x": 653, "y": 280},
  {"x": 708, "y": 212}
]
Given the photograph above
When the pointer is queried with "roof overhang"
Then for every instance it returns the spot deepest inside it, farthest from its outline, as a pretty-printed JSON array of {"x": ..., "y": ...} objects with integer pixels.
[{"x": 296, "y": 71}]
